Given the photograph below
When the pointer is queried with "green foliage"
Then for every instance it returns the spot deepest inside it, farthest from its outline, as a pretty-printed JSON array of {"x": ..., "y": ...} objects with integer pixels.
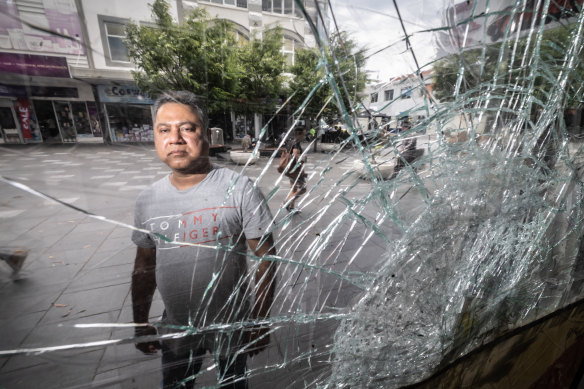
[
  {"x": 349, "y": 74},
  {"x": 514, "y": 65},
  {"x": 198, "y": 55},
  {"x": 201, "y": 55},
  {"x": 477, "y": 65},
  {"x": 308, "y": 73},
  {"x": 261, "y": 65},
  {"x": 345, "y": 62}
]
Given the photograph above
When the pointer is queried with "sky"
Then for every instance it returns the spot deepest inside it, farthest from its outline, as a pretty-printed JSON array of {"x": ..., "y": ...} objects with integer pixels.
[{"x": 375, "y": 25}]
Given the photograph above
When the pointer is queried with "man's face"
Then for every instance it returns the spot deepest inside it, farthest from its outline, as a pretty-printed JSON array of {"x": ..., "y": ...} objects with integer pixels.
[{"x": 179, "y": 138}]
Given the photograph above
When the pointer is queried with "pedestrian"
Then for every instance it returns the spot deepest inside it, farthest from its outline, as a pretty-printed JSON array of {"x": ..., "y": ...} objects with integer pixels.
[
  {"x": 191, "y": 215},
  {"x": 319, "y": 135},
  {"x": 406, "y": 151},
  {"x": 297, "y": 175},
  {"x": 14, "y": 257},
  {"x": 246, "y": 142}
]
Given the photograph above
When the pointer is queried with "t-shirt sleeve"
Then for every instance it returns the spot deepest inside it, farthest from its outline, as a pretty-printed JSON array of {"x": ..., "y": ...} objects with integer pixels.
[
  {"x": 257, "y": 218},
  {"x": 141, "y": 239}
]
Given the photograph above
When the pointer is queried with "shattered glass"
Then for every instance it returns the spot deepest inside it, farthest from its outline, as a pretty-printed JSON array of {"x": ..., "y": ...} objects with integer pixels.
[{"x": 381, "y": 282}]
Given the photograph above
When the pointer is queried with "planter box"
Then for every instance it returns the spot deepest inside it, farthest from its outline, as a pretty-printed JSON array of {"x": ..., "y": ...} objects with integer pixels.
[{"x": 242, "y": 157}]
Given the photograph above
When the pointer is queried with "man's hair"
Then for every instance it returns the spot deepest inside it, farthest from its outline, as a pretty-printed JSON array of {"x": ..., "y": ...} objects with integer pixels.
[{"x": 185, "y": 98}]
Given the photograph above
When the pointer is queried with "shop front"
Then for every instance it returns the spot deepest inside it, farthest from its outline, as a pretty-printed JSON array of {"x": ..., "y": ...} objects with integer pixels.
[
  {"x": 128, "y": 112},
  {"x": 34, "y": 118},
  {"x": 41, "y": 103},
  {"x": 9, "y": 129}
]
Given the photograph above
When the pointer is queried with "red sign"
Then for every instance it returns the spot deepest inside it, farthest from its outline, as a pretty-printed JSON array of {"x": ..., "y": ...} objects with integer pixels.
[{"x": 23, "y": 108}]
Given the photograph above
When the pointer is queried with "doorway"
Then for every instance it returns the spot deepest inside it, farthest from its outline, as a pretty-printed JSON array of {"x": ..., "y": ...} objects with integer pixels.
[
  {"x": 9, "y": 129},
  {"x": 47, "y": 121}
]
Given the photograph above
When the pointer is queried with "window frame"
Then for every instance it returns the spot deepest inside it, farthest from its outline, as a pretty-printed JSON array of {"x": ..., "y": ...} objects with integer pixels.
[
  {"x": 374, "y": 97},
  {"x": 406, "y": 92},
  {"x": 109, "y": 61},
  {"x": 285, "y": 52},
  {"x": 295, "y": 12},
  {"x": 388, "y": 94},
  {"x": 235, "y": 5},
  {"x": 297, "y": 43}
]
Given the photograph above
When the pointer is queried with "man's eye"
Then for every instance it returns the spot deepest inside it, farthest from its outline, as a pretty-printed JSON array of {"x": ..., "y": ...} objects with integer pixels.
[
  {"x": 188, "y": 129},
  {"x": 163, "y": 130}
]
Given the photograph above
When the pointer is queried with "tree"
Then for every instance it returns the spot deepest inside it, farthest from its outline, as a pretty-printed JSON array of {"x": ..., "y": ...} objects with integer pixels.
[
  {"x": 199, "y": 55},
  {"x": 307, "y": 75},
  {"x": 261, "y": 64},
  {"x": 351, "y": 61},
  {"x": 478, "y": 66},
  {"x": 345, "y": 62},
  {"x": 513, "y": 63}
]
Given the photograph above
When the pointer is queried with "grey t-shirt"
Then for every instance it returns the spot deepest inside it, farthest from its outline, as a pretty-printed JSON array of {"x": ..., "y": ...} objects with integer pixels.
[{"x": 202, "y": 285}]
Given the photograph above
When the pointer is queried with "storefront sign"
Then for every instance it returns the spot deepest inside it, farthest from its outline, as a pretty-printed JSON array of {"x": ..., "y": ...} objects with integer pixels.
[
  {"x": 38, "y": 91},
  {"x": 34, "y": 65},
  {"x": 23, "y": 108},
  {"x": 54, "y": 91},
  {"x": 122, "y": 94}
]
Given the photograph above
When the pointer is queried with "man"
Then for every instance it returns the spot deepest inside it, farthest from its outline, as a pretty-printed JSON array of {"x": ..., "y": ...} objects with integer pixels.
[
  {"x": 407, "y": 150},
  {"x": 319, "y": 135},
  {"x": 298, "y": 177},
  {"x": 13, "y": 257},
  {"x": 199, "y": 219}
]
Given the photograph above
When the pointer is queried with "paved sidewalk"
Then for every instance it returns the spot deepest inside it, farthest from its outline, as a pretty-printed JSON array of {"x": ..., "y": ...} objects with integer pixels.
[{"x": 78, "y": 270}]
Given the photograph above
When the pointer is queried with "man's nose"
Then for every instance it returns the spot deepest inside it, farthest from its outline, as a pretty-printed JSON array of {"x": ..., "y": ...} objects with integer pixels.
[{"x": 176, "y": 135}]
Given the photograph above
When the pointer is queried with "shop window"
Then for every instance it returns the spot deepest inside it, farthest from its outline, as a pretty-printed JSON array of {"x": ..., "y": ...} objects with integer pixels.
[
  {"x": 130, "y": 122},
  {"x": 9, "y": 131},
  {"x": 65, "y": 121},
  {"x": 81, "y": 119},
  {"x": 388, "y": 95},
  {"x": 113, "y": 33},
  {"x": 374, "y": 97},
  {"x": 47, "y": 121}
]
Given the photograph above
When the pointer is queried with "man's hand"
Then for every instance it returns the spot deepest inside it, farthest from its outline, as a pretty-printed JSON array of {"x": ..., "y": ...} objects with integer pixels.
[{"x": 147, "y": 347}]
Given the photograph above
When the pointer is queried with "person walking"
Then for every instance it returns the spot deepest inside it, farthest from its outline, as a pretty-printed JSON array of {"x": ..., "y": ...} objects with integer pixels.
[
  {"x": 296, "y": 173},
  {"x": 406, "y": 151}
]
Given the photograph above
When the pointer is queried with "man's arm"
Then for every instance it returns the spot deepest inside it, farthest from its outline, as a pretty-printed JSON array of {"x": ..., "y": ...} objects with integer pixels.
[
  {"x": 265, "y": 277},
  {"x": 265, "y": 282},
  {"x": 143, "y": 287}
]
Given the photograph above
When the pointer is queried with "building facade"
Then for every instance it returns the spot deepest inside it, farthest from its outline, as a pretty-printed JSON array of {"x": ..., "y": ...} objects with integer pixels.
[
  {"x": 404, "y": 97},
  {"x": 65, "y": 75},
  {"x": 40, "y": 100}
]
